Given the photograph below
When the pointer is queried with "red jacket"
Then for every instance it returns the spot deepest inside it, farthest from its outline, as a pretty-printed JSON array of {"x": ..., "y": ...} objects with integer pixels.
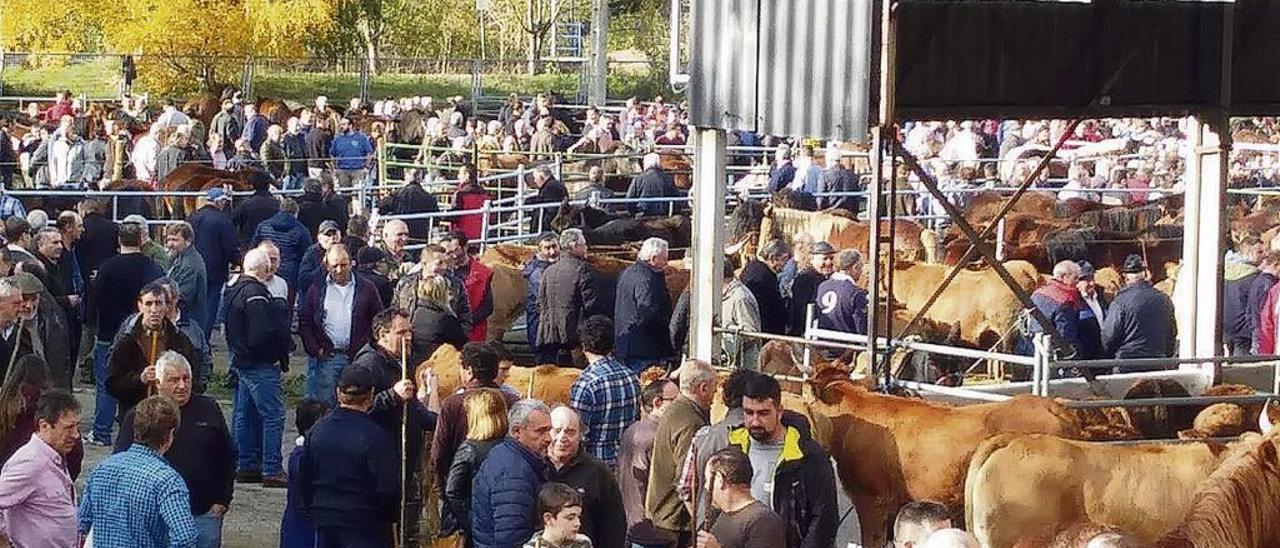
[
  {"x": 476, "y": 285},
  {"x": 470, "y": 197},
  {"x": 57, "y": 111},
  {"x": 1267, "y": 322}
]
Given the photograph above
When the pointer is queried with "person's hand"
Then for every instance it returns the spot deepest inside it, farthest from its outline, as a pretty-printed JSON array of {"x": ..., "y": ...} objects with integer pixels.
[
  {"x": 404, "y": 389},
  {"x": 73, "y": 300},
  {"x": 707, "y": 540},
  {"x": 218, "y": 510},
  {"x": 149, "y": 374}
]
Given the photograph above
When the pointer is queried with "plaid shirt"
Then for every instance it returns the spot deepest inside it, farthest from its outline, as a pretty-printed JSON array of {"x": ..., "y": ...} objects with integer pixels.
[
  {"x": 135, "y": 499},
  {"x": 607, "y": 396}
]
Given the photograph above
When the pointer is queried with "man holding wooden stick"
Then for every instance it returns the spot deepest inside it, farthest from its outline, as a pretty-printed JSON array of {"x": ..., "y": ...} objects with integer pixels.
[{"x": 131, "y": 371}]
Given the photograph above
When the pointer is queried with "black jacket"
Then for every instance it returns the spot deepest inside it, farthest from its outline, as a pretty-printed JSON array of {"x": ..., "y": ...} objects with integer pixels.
[
  {"x": 315, "y": 208},
  {"x": 457, "y": 487},
  {"x": 386, "y": 408},
  {"x": 839, "y": 179},
  {"x": 295, "y": 150},
  {"x": 552, "y": 192},
  {"x": 604, "y": 520},
  {"x": 763, "y": 284},
  {"x": 804, "y": 490},
  {"x": 349, "y": 473},
  {"x": 215, "y": 239},
  {"x": 652, "y": 183},
  {"x": 1140, "y": 324},
  {"x": 679, "y": 325},
  {"x": 568, "y": 293},
  {"x": 202, "y": 452},
  {"x": 412, "y": 198},
  {"x": 804, "y": 291},
  {"x": 115, "y": 290},
  {"x": 255, "y": 209},
  {"x": 642, "y": 314},
  {"x": 99, "y": 243},
  {"x": 317, "y": 145},
  {"x": 1090, "y": 329},
  {"x": 130, "y": 353},
  {"x": 257, "y": 325},
  {"x": 432, "y": 327}
]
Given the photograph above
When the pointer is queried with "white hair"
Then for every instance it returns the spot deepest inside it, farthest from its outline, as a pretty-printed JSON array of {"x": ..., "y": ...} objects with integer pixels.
[
  {"x": 520, "y": 412},
  {"x": 951, "y": 538},
  {"x": 257, "y": 260},
  {"x": 652, "y": 159},
  {"x": 651, "y": 248},
  {"x": 170, "y": 359},
  {"x": 1064, "y": 268},
  {"x": 573, "y": 236},
  {"x": 38, "y": 219},
  {"x": 694, "y": 373},
  {"x": 833, "y": 156}
]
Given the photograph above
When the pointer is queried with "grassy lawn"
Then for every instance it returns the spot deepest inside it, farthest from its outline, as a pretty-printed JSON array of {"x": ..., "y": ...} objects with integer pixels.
[{"x": 100, "y": 79}]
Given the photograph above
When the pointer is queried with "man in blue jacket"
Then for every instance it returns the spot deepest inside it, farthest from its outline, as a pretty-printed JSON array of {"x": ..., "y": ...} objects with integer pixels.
[
  {"x": 350, "y": 479},
  {"x": 217, "y": 244},
  {"x": 642, "y": 309},
  {"x": 504, "y": 498},
  {"x": 842, "y": 304},
  {"x": 351, "y": 150},
  {"x": 548, "y": 253},
  {"x": 288, "y": 233},
  {"x": 1059, "y": 300},
  {"x": 653, "y": 182}
]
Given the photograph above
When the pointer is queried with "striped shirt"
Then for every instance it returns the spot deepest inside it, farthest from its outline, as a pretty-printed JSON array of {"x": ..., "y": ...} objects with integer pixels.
[
  {"x": 607, "y": 397},
  {"x": 135, "y": 499}
]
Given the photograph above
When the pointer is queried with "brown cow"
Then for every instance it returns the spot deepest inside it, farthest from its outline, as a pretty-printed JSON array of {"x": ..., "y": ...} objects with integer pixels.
[
  {"x": 548, "y": 383},
  {"x": 890, "y": 450},
  {"x": 1238, "y": 506},
  {"x": 1022, "y": 484},
  {"x": 912, "y": 241},
  {"x": 983, "y": 326},
  {"x": 509, "y": 287}
]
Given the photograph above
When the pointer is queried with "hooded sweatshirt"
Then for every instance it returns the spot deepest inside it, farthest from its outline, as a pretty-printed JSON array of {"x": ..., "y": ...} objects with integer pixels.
[{"x": 1237, "y": 277}]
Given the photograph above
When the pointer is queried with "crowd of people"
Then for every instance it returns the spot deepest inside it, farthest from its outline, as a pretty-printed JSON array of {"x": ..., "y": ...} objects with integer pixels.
[{"x": 623, "y": 463}]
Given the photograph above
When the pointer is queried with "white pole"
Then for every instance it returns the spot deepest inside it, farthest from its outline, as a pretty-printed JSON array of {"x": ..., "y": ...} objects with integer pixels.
[{"x": 707, "y": 250}]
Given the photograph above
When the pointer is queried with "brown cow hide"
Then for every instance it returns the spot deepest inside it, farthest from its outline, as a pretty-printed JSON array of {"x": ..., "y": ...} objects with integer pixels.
[
  {"x": 1238, "y": 506},
  {"x": 980, "y": 326},
  {"x": 548, "y": 383},
  {"x": 890, "y": 450},
  {"x": 910, "y": 238}
]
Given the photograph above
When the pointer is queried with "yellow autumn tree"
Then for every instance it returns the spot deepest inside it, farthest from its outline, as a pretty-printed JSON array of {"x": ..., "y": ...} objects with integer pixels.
[
  {"x": 200, "y": 45},
  {"x": 40, "y": 25}
]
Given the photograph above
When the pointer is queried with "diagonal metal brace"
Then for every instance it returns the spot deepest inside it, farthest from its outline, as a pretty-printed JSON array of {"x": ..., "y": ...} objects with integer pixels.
[{"x": 983, "y": 247}]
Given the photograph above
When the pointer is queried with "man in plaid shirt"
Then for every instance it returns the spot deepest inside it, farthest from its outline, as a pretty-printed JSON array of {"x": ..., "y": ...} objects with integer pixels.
[
  {"x": 607, "y": 394},
  {"x": 136, "y": 498}
]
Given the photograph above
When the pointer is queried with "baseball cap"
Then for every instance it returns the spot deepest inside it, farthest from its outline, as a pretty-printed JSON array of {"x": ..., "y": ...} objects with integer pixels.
[
  {"x": 27, "y": 283},
  {"x": 328, "y": 226},
  {"x": 369, "y": 255},
  {"x": 355, "y": 381},
  {"x": 215, "y": 194}
]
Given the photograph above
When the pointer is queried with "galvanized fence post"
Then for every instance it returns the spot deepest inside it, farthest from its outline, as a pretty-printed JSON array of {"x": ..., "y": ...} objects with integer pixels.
[
  {"x": 477, "y": 79},
  {"x": 365, "y": 77},
  {"x": 484, "y": 224},
  {"x": 246, "y": 78},
  {"x": 520, "y": 228}
]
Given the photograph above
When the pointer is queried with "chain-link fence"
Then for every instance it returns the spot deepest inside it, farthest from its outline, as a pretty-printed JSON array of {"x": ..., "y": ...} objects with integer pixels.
[{"x": 27, "y": 77}]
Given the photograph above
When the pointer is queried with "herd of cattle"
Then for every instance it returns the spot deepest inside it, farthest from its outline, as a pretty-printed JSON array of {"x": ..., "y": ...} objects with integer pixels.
[{"x": 1027, "y": 472}]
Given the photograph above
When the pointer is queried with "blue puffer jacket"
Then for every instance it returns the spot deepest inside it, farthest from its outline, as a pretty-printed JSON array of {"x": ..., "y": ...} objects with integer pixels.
[
  {"x": 533, "y": 276},
  {"x": 293, "y": 239},
  {"x": 504, "y": 496}
]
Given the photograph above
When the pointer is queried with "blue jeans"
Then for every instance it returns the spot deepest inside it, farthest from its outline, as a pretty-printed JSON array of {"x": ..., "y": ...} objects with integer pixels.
[
  {"x": 322, "y": 377},
  {"x": 208, "y": 531},
  {"x": 104, "y": 405},
  {"x": 258, "y": 417},
  {"x": 212, "y": 303}
]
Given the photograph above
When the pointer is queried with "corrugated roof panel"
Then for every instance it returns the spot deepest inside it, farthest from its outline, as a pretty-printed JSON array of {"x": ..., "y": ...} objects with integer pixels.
[{"x": 723, "y": 63}]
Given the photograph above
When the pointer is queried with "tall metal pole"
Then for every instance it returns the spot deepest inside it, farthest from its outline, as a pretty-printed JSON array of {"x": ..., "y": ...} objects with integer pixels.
[
  {"x": 888, "y": 49},
  {"x": 597, "y": 89},
  {"x": 707, "y": 252}
]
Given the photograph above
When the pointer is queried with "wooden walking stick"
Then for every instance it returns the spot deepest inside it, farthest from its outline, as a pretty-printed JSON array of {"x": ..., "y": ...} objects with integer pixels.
[
  {"x": 151, "y": 360},
  {"x": 404, "y": 447},
  {"x": 17, "y": 343}
]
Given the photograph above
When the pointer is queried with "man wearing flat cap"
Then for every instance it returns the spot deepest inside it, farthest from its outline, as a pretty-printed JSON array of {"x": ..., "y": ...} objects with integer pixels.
[
  {"x": 44, "y": 329},
  {"x": 348, "y": 474},
  {"x": 804, "y": 290},
  {"x": 1140, "y": 321},
  {"x": 1092, "y": 314}
]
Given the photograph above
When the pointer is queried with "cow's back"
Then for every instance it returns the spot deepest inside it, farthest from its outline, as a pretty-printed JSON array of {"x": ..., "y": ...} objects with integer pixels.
[{"x": 1029, "y": 485}]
